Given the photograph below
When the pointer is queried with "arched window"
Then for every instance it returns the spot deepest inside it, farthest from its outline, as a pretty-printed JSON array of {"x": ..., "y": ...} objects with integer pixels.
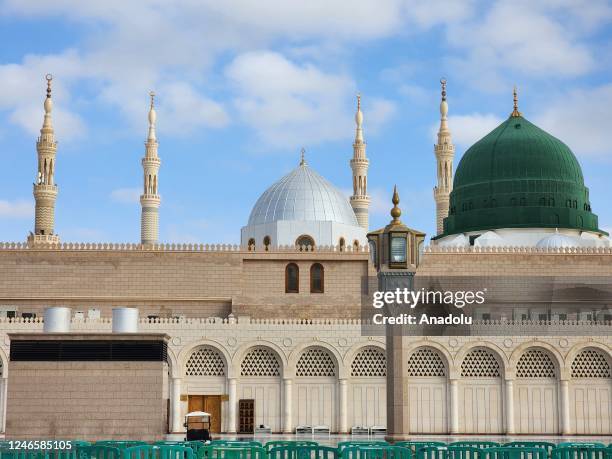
[
  {"x": 355, "y": 245},
  {"x": 305, "y": 242},
  {"x": 251, "y": 244},
  {"x": 267, "y": 243},
  {"x": 369, "y": 362},
  {"x": 535, "y": 363},
  {"x": 426, "y": 362},
  {"x": 205, "y": 361},
  {"x": 315, "y": 362},
  {"x": 342, "y": 244},
  {"x": 480, "y": 363},
  {"x": 317, "y": 278},
  {"x": 523, "y": 202},
  {"x": 579, "y": 221},
  {"x": 292, "y": 278},
  {"x": 260, "y": 362},
  {"x": 591, "y": 363}
]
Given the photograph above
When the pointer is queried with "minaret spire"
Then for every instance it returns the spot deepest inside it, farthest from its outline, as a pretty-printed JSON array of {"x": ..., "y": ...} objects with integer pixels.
[
  {"x": 445, "y": 152},
  {"x": 45, "y": 189},
  {"x": 360, "y": 201},
  {"x": 150, "y": 199}
]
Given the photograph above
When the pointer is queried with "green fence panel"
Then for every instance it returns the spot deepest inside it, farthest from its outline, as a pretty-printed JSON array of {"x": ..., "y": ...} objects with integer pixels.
[
  {"x": 475, "y": 444},
  {"x": 303, "y": 452},
  {"x": 241, "y": 443},
  {"x": 121, "y": 444},
  {"x": 514, "y": 453},
  {"x": 448, "y": 452},
  {"x": 581, "y": 444},
  {"x": 7, "y": 453},
  {"x": 98, "y": 452},
  {"x": 376, "y": 452},
  {"x": 548, "y": 446},
  {"x": 231, "y": 452},
  {"x": 591, "y": 451},
  {"x": 158, "y": 452},
  {"x": 416, "y": 445},
  {"x": 345, "y": 444},
  {"x": 276, "y": 443}
]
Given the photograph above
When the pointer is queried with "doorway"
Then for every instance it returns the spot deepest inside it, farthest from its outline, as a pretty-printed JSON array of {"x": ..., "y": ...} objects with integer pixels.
[{"x": 210, "y": 404}]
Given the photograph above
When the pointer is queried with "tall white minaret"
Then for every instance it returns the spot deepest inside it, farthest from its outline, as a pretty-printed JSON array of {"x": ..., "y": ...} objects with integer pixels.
[
  {"x": 360, "y": 201},
  {"x": 45, "y": 189},
  {"x": 445, "y": 151},
  {"x": 149, "y": 200}
]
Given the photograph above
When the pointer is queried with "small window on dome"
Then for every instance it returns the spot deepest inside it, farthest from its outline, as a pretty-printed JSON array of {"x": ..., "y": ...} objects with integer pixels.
[
  {"x": 342, "y": 244},
  {"x": 305, "y": 242},
  {"x": 513, "y": 202},
  {"x": 292, "y": 278},
  {"x": 575, "y": 204},
  {"x": 251, "y": 244},
  {"x": 267, "y": 243},
  {"x": 523, "y": 202},
  {"x": 356, "y": 245},
  {"x": 542, "y": 201},
  {"x": 579, "y": 221},
  {"x": 551, "y": 202},
  {"x": 470, "y": 205}
]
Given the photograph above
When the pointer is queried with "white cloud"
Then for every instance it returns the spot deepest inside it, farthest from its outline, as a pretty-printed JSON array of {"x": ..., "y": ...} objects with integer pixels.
[
  {"x": 291, "y": 105},
  {"x": 467, "y": 129},
  {"x": 581, "y": 118},
  {"x": 126, "y": 195},
  {"x": 21, "y": 208}
]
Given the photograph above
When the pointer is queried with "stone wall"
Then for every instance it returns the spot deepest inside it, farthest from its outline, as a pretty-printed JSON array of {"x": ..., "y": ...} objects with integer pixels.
[{"x": 87, "y": 400}]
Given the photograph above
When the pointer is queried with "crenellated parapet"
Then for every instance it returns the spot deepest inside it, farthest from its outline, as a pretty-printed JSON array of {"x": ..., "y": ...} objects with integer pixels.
[{"x": 436, "y": 249}]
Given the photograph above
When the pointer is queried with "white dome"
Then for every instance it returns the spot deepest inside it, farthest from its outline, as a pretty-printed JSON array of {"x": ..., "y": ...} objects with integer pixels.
[
  {"x": 302, "y": 195},
  {"x": 459, "y": 240},
  {"x": 489, "y": 239},
  {"x": 558, "y": 241}
]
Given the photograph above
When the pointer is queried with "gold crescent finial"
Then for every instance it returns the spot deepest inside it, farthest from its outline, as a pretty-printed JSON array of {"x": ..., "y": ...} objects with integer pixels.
[
  {"x": 303, "y": 159},
  {"x": 443, "y": 83},
  {"x": 515, "y": 112},
  {"x": 358, "y": 101},
  {"x": 152, "y": 96}
]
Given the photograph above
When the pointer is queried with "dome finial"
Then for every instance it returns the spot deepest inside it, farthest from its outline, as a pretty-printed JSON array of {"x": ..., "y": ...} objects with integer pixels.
[
  {"x": 515, "y": 113},
  {"x": 396, "y": 212},
  {"x": 443, "y": 83},
  {"x": 359, "y": 121},
  {"x": 302, "y": 158}
]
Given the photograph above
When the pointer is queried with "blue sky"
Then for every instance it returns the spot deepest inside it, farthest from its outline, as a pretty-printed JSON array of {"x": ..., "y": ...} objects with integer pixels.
[{"x": 243, "y": 85}]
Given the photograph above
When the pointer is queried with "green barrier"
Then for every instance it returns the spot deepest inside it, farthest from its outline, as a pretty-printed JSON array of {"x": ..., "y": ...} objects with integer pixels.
[
  {"x": 345, "y": 444},
  {"x": 475, "y": 444},
  {"x": 158, "y": 452},
  {"x": 6, "y": 453},
  {"x": 239, "y": 443},
  {"x": 98, "y": 452},
  {"x": 121, "y": 444},
  {"x": 376, "y": 452},
  {"x": 532, "y": 444},
  {"x": 448, "y": 452},
  {"x": 577, "y": 444},
  {"x": 416, "y": 445},
  {"x": 579, "y": 451},
  {"x": 514, "y": 453},
  {"x": 276, "y": 443},
  {"x": 231, "y": 452},
  {"x": 303, "y": 452}
]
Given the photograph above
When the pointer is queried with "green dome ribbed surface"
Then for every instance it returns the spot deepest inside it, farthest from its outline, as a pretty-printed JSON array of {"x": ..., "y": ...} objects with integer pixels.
[{"x": 519, "y": 176}]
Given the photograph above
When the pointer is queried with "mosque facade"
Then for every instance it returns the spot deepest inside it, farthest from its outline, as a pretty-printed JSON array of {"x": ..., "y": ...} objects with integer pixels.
[{"x": 276, "y": 322}]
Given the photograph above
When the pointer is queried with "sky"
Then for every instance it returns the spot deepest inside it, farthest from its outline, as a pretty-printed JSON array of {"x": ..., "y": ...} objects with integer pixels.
[{"x": 242, "y": 86}]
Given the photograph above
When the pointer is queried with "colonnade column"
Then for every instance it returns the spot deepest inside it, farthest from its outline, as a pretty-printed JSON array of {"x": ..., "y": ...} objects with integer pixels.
[
  {"x": 287, "y": 413},
  {"x": 176, "y": 424},
  {"x": 454, "y": 406},
  {"x": 509, "y": 405},
  {"x": 343, "y": 396},
  {"x": 566, "y": 428},
  {"x": 232, "y": 404}
]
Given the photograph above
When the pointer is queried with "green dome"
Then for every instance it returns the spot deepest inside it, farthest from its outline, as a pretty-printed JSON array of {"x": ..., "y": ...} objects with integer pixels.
[{"x": 519, "y": 176}]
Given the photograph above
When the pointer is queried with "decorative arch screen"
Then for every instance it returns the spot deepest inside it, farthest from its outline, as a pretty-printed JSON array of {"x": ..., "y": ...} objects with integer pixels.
[
  {"x": 535, "y": 363},
  {"x": 316, "y": 362},
  {"x": 426, "y": 362},
  {"x": 591, "y": 363},
  {"x": 205, "y": 362},
  {"x": 480, "y": 363},
  {"x": 260, "y": 362},
  {"x": 369, "y": 362}
]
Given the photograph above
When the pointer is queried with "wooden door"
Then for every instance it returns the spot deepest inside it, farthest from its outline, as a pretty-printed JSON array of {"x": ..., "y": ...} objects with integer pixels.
[
  {"x": 210, "y": 404},
  {"x": 246, "y": 416}
]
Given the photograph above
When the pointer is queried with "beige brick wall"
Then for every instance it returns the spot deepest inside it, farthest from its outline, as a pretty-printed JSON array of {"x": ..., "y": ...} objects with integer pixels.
[
  {"x": 87, "y": 400},
  {"x": 170, "y": 283}
]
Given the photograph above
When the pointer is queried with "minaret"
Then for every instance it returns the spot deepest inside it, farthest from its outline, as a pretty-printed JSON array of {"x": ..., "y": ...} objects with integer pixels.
[
  {"x": 45, "y": 189},
  {"x": 444, "y": 151},
  {"x": 149, "y": 200},
  {"x": 360, "y": 201}
]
